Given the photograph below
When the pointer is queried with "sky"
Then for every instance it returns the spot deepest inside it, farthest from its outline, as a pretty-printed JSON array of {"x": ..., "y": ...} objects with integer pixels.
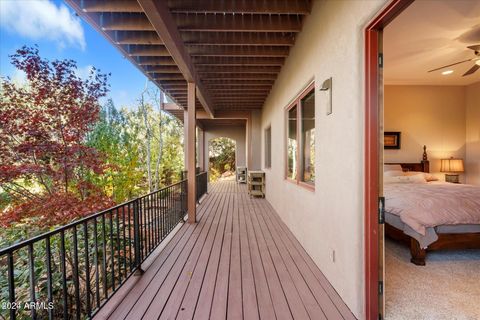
[{"x": 60, "y": 34}]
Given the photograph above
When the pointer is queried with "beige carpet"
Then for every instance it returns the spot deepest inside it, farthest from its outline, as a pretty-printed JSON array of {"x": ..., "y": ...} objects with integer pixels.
[{"x": 448, "y": 287}]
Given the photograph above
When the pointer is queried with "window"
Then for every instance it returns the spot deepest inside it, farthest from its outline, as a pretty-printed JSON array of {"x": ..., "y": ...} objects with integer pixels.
[
  {"x": 301, "y": 138},
  {"x": 268, "y": 147},
  {"x": 292, "y": 143}
]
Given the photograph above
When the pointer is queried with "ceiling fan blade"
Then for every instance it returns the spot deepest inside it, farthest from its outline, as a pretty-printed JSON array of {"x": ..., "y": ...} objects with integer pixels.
[
  {"x": 471, "y": 70},
  {"x": 449, "y": 65},
  {"x": 475, "y": 47}
]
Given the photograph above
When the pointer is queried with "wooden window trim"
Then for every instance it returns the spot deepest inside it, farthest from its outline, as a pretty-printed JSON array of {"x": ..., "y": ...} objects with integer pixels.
[
  {"x": 267, "y": 128},
  {"x": 297, "y": 102}
]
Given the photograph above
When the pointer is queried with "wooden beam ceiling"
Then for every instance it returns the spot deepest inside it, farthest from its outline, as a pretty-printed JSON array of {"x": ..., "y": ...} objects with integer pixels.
[{"x": 232, "y": 50}]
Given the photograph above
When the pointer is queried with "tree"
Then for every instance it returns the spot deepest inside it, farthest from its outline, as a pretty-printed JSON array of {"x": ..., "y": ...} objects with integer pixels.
[
  {"x": 44, "y": 161},
  {"x": 222, "y": 156}
]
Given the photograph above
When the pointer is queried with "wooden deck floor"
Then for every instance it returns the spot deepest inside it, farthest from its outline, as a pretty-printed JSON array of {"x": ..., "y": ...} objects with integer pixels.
[{"x": 238, "y": 262}]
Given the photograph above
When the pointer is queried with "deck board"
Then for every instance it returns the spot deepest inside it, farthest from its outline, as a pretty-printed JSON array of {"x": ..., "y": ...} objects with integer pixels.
[{"x": 239, "y": 261}]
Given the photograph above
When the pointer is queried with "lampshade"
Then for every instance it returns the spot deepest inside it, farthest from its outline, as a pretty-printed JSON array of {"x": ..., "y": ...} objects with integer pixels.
[{"x": 451, "y": 165}]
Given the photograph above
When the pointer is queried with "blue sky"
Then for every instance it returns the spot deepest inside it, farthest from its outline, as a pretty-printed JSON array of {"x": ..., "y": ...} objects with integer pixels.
[{"x": 60, "y": 34}]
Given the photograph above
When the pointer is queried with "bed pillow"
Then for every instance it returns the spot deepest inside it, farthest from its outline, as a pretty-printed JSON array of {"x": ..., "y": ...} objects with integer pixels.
[
  {"x": 392, "y": 167},
  {"x": 393, "y": 173},
  {"x": 416, "y": 178},
  {"x": 428, "y": 177}
]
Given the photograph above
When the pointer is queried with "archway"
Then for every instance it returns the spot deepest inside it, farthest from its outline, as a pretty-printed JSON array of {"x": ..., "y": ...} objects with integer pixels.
[{"x": 221, "y": 159}]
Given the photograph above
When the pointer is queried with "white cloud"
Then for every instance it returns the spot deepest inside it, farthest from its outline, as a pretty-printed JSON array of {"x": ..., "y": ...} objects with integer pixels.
[{"x": 42, "y": 19}]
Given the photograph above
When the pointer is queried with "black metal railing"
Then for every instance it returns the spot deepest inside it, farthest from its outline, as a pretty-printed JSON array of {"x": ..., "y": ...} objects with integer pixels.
[
  {"x": 72, "y": 271},
  {"x": 202, "y": 184}
]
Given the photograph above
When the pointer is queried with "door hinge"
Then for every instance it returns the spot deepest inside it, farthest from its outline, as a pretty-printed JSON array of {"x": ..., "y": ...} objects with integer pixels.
[
  {"x": 381, "y": 210},
  {"x": 380, "y": 60},
  {"x": 380, "y": 287}
]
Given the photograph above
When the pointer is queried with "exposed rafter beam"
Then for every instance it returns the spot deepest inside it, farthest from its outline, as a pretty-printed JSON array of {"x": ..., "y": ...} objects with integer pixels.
[
  {"x": 155, "y": 61},
  {"x": 235, "y": 81},
  {"x": 124, "y": 21},
  {"x": 237, "y": 69},
  {"x": 236, "y": 51},
  {"x": 240, "y": 77},
  {"x": 110, "y": 6},
  {"x": 135, "y": 37},
  {"x": 238, "y": 61},
  {"x": 254, "y": 7},
  {"x": 161, "y": 18},
  {"x": 167, "y": 76},
  {"x": 237, "y": 22},
  {"x": 238, "y": 38},
  {"x": 161, "y": 69},
  {"x": 146, "y": 50}
]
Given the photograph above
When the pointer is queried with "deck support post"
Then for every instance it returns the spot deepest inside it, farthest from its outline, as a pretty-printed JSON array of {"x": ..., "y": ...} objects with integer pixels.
[
  {"x": 191, "y": 163},
  {"x": 201, "y": 149}
]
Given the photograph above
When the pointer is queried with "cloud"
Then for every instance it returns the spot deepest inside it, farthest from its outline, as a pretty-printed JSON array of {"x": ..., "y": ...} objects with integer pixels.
[{"x": 42, "y": 19}]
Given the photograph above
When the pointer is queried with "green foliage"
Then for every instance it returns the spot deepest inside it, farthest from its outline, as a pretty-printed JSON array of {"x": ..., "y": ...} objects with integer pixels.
[{"x": 222, "y": 157}]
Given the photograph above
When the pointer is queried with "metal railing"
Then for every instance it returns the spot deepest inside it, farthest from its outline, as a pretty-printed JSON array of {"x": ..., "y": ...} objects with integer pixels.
[
  {"x": 72, "y": 271},
  {"x": 202, "y": 184}
]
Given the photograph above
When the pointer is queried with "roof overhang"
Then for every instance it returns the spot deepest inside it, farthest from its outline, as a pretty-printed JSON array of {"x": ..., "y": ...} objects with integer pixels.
[{"x": 232, "y": 50}]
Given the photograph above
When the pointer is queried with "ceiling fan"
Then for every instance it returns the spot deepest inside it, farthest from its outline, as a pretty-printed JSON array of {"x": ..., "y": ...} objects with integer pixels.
[{"x": 476, "y": 60}]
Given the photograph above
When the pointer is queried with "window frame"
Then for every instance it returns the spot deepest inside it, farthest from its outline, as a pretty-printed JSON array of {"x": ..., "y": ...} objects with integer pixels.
[
  {"x": 297, "y": 102},
  {"x": 268, "y": 147}
]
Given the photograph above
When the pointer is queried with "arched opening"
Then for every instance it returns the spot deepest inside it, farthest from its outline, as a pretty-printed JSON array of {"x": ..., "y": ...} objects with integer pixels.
[{"x": 221, "y": 159}]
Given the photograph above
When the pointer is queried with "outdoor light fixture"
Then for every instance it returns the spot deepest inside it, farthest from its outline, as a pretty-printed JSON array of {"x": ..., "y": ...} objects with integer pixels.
[
  {"x": 447, "y": 72},
  {"x": 327, "y": 86},
  {"x": 453, "y": 167}
]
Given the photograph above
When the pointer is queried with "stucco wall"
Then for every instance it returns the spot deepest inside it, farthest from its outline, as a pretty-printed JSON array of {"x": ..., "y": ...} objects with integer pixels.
[
  {"x": 426, "y": 115},
  {"x": 331, "y": 44},
  {"x": 472, "y": 165},
  {"x": 237, "y": 133}
]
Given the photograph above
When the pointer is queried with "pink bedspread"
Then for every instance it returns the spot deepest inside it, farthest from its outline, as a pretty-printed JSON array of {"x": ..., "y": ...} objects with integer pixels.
[{"x": 423, "y": 205}]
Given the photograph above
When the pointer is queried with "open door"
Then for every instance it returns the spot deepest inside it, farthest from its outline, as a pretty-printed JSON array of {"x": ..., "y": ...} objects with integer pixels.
[{"x": 374, "y": 229}]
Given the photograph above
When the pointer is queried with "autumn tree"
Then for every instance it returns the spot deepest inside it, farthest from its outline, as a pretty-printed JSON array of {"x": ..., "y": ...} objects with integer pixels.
[{"x": 44, "y": 160}]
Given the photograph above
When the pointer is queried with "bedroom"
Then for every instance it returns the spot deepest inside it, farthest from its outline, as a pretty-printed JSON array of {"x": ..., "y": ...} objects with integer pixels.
[{"x": 432, "y": 195}]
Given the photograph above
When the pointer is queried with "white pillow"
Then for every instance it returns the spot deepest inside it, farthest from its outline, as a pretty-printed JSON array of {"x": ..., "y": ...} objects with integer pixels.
[
  {"x": 427, "y": 176},
  {"x": 392, "y": 167},
  {"x": 393, "y": 173},
  {"x": 416, "y": 178}
]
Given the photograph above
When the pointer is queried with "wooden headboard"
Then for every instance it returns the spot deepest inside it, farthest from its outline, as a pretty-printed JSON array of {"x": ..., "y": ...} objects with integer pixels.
[{"x": 422, "y": 166}]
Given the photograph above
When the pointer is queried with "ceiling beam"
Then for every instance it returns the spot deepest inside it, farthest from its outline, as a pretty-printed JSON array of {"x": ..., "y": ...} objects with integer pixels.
[
  {"x": 236, "y": 51},
  {"x": 161, "y": 18},
  {"x": 124, "y": 21},
  {"x": 237, "y": 81},
  {"x": 238, "y": 38},
  {"x": 245, "y": 90},
  {"x": 301, "y": 7},
  {"x": 110, "y": 6},
  {"x": 220, "y": 77},
  {"x": 238, "y": 61},
  {"x": 134, "y": 37},
  {"x": 237, "y": 22},
  {"x": 239, "y": 85},
  {"x": 161, "y": 69},
  {"x": 155, "y": 61},
  {"x": 239, "y": 69},
  {"x": 146, "y": 50},
  {"x": 167, "y": 76}
]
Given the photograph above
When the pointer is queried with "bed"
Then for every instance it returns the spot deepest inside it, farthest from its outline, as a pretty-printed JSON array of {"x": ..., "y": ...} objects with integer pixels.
[{"x": 429, "y": 216}]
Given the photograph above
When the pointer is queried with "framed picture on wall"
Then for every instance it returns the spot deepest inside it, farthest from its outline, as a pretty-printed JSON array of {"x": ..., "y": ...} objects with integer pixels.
[{"x": 391, "y": 140}]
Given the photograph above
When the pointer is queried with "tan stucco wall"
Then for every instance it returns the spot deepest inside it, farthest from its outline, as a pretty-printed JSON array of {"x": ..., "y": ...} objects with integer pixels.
[
  {"x": 426, "y": 115},
  {"x": 256, "y": 144},
  {"x": 237, "y": 133},
  {"x": 330, "y": 218},
  {"x": 472, "y": 165}
]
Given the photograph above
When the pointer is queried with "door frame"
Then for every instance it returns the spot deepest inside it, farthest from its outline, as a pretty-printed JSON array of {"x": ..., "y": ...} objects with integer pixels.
[{"x": 372, "y": 153}]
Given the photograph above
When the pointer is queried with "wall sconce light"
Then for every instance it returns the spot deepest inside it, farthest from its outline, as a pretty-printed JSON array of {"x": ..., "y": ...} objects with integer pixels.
[{"x": 327, "y": 86}]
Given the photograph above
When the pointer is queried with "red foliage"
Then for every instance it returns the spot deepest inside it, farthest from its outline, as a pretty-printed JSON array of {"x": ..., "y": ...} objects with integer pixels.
[{"x": 42, "y": 133}]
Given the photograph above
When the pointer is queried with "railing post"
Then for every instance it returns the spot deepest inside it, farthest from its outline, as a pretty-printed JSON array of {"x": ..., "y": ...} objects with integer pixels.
[{"x": 136, "y": 238}]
